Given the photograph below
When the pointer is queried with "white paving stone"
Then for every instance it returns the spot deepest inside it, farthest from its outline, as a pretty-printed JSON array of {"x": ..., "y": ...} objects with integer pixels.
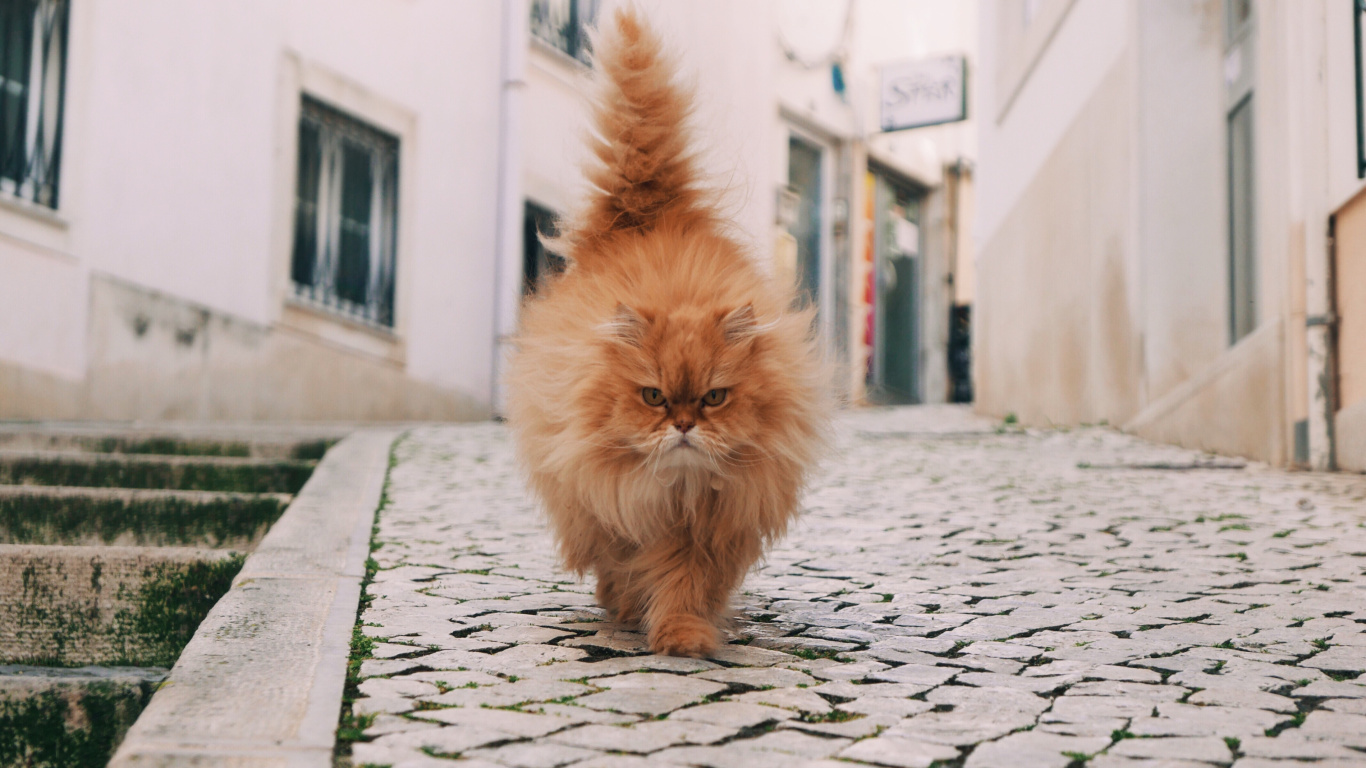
[{"x": 1023, "y": 594}]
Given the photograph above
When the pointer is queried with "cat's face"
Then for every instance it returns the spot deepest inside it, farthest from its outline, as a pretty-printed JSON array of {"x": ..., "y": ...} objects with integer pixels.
[{"x": 684, "y": 389}]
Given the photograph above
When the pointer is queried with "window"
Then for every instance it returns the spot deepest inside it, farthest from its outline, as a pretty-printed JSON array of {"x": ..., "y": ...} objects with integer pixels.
[
  {"x": 1242, "y": 218},
  {"x": 1240, "y": 93},
  {"x": 537, "y": 262},
  {"x": 345, "y": 216},
  {"x": 1358, "y": 10},
  {"x": 32, "y": 79},
  {"x": 564, "y": 24}
]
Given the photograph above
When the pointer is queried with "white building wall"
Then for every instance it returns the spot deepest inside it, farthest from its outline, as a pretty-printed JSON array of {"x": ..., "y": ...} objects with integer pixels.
[
  {"x": 1153, "y": 288},
  {"x": 177, "y": 180},
  {"x": 160, "y": 288}
]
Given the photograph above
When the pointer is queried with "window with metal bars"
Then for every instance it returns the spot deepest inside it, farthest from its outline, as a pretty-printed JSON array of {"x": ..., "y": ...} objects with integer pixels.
[
  {"x": 564, "y": 24},
  {"x": 1358, "y": 11},
  {"x": 32, "y": 81},
  {"x": 345, "y": 216}
]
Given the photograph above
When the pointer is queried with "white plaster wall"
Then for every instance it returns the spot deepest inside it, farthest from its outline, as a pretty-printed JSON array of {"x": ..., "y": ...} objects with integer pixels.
[
  {"x": 1181, "y": 275},
  {"x": 42, "y": 310},
  {"x": 1013, "y": 148},
  {"x": 182, "y": 157},
  {"x": 1132, "y": 326}
]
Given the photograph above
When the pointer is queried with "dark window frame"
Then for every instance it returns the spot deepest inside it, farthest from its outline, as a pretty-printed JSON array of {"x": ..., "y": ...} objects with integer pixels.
[
  {"x": 1241, "y": 140},
  {"x": 564, "y": 24},
  {"x": 345, "y": 251},
  {"x": 538, "y": 263},
  {"x": 1358, "y": 11},
  {"x": 33, "y": 64}
]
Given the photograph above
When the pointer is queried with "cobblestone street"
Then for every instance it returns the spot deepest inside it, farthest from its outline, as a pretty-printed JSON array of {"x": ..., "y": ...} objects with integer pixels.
[{"x": 957, "y": 593}]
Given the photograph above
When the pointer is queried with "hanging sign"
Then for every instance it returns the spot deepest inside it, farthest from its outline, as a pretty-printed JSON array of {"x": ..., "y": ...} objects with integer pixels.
[{"x": 925, "y": 92}]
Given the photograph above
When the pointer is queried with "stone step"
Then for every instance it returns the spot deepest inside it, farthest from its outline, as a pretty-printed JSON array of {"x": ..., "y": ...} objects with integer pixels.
[
  {"x": 254, "y": 441},
  {"x": 58, "y": 717},
  {"x": 71, "y": 605},
  {"x": 36, "y": 514},
  {"x": 187, "y": 473}
]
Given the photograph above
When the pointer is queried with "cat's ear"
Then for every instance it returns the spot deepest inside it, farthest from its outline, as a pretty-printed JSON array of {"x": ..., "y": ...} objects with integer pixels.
[
  {"x": 626, "y": 326},
  {"x": 740, "y": 324}
]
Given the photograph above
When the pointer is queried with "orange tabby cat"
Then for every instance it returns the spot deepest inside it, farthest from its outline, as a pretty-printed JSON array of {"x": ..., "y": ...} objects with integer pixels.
[{"x": 665, "y": 398}]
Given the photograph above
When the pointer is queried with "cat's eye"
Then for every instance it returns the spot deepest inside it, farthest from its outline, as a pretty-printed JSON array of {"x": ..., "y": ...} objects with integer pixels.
[
  {"x": 714, "y": 397},
  {"x": 652, "y": 396}
]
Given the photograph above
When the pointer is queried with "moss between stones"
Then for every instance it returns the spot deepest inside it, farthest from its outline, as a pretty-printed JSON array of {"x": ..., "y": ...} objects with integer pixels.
[
  {"x": 69, "y": 727},
  {"x": 351, "y": 727},
  {"x": 272, "y": 477},
  {"x": 228, "y": 521}
]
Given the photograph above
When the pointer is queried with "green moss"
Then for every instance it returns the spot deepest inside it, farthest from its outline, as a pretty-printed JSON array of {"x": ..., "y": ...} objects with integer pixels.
[
  {"x": 68, "y": 729},
  {"x": 351, "y": 728},
  {"x": 36, "y": 518},
  {"x": 168, "y": 607},
  {"x": 153, "y": 614},
  {"x": 812, "y": 655},
  {"x": 151, "y": 472},
  {"x": 168, "y": 446},
  {"x": 833, "y": 716},
  {"x": 172, "y": 446},
  {"x": 312, "y": 450}
]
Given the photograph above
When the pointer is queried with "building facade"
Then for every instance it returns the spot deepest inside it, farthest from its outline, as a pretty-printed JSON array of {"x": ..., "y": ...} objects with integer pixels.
[
  {"x": 1168, "y": 222},
  {"x": 309, "y": 210},
  {"x": 881, "y": 235},
  {"x": 872, "y": 225}
]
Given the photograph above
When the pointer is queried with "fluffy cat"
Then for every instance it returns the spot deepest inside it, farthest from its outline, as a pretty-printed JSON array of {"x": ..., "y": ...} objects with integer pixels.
[{"x": 666, "y": 399}]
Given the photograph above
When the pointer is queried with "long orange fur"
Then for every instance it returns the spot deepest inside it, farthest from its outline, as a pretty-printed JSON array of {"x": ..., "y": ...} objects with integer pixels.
[{"x": 657, "y": 295}]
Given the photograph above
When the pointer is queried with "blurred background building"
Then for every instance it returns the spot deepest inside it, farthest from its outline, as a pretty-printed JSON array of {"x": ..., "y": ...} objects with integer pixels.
[
  {"x": 1171, "y": 222},
  {"x": 309, "y": 209}
]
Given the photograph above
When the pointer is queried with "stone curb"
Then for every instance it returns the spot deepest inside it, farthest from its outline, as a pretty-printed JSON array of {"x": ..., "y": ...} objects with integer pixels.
[{"x": 261, "y": 683}]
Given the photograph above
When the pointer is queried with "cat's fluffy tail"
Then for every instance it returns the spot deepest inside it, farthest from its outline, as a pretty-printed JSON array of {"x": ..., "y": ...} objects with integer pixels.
[{"x": 644, "y": 169}]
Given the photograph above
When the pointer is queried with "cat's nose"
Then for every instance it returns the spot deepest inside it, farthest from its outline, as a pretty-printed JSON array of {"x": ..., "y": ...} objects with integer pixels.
[{"x": 683, "y": 426}]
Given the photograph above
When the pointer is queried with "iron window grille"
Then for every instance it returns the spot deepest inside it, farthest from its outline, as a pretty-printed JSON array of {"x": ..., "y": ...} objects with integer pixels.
[
  {"x": 32, "y": 85},
  {"x": 564, "y": 24},
  {"x": 345, "y": 216},
  {"x": 1359, "y": 10}
]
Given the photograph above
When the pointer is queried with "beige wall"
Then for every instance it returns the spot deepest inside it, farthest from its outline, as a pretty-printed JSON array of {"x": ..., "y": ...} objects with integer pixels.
[
  {"x": 1102, "y": 283},
  {"x": 154, "y": 358},
  {"x": 1054, "y": 330}
]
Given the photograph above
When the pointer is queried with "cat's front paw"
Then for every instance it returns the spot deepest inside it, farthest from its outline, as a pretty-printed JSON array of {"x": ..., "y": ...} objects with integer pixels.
[{"x": 684, "y": 635}]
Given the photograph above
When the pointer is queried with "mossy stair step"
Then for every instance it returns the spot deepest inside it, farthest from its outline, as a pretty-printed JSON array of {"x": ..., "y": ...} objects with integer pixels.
[
  {"x": 37, "y": 514},
  {"x": 187, "y": 473},
  {"x": 57, "y": 718},
  {"x": 86, "y": 440},
  {"x": 70, "y": 606}
]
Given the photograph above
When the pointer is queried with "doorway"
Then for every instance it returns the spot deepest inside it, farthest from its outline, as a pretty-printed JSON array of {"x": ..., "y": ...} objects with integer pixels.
[
  {"x": 895, "y": 372},
  {"x": 804, "y": 166}
]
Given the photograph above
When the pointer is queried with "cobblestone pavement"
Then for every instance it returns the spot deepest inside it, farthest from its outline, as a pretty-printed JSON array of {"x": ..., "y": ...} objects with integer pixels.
[{"x": 956, "y": 594}]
